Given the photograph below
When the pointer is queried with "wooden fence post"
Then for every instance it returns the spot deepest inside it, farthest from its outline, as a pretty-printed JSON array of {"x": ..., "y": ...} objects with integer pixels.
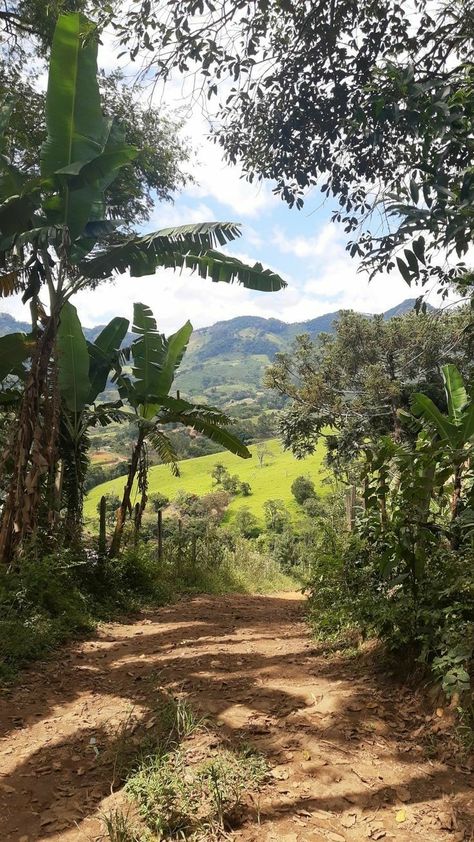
[
  {"x": 160, "y": 535},
  {"x": 102, "y": 528},
  {"x": 350, "y": 507}
]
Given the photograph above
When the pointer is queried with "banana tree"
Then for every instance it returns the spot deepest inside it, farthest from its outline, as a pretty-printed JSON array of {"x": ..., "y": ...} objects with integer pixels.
[
  {"x": 83, "y": 371},
  {"x": 454, "y": 430},
  {"x": 56, "y": 237},
  {"x": 154, "y": 359}
]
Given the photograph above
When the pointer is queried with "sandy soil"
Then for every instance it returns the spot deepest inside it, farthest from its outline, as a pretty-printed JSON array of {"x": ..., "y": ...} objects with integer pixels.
[{"x": 344, "y": 743}]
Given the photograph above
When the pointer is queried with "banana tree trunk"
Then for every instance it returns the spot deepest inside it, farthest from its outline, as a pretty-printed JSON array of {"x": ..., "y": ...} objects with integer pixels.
[
  {"x": 33, "y": 447},
  {"x": 456, "y": 505},
  {"x": 127, "y": 495}
]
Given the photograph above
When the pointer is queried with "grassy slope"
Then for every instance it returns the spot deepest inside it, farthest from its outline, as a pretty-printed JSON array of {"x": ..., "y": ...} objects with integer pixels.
[{"x": 273, "y": 481}]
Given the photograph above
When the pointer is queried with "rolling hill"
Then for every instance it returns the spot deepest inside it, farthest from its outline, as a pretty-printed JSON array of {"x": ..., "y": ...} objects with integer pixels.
[
  {"x": 272, "y": 481},
  {"x": 225, "y": 363}
]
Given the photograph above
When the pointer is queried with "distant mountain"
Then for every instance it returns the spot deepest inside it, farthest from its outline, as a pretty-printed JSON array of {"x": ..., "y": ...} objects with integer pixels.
[
  {"x": 8, "y": 324},
  {"x": 225, "y": 362}
]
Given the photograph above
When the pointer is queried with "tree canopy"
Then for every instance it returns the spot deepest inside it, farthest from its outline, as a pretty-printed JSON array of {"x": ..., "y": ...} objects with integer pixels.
[
  {"x": 366, "y": 101},
  {"x": 349, "y": 386}
]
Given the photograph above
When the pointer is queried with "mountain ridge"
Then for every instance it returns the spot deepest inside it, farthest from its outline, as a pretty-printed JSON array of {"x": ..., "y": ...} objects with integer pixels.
[{"x": 225, "y": 361}]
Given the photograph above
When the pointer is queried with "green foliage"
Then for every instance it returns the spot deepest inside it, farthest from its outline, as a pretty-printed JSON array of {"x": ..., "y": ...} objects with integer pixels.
[
  {"x": 246, "y": 524},
  {"x": 386, "y": 132},
  {"x": 73, "y": 361},
  {"x": 176, "y": 798},
  {"x": 303, "y": 489},
  {"x": 276, "y": 515},
  {"x": 350, "y": 386},
  {"x": 231, "y": 484},
  {"x": 112, "y": 502},
  {"x": 158, "y": 501}
]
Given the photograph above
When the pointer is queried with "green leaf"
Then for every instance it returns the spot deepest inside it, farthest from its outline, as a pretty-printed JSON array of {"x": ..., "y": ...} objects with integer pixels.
[
  {"x": 103, "y": 354},
  {"x": 418, "y": 246},
  {"x": 455, "y": 392},
  {"x": 220, "y": 435},
  {"x": 468, "y": 421},
  {"x": 77, "y": 129},
  {"x": 164, "y": 447},
  {"x": 143, "y": 319},
  {"x": 15, "y": 349},
  {"x": 205, "y": 419},
  {"x": 73, "y": 360},
  {"x": 148, "y": 352},
  {"x": 424, "y": 407},
  {"x": 175, "y": 348},
  {"x": 188, "y": 246},
  {"x": 404, "y": 271},
  {"x": 414, "y": 191}
]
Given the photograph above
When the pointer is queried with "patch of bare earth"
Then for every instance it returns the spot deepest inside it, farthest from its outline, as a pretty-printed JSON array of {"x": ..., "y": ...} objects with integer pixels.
[{"x": 344, "y": 744}]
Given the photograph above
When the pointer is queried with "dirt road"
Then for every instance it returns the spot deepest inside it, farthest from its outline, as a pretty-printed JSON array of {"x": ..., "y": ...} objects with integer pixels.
[{"x": 343, "y": 744}]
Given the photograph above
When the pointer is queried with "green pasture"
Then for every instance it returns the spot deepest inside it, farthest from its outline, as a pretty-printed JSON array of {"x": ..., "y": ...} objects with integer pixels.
[{"x": 270, "y": 482}]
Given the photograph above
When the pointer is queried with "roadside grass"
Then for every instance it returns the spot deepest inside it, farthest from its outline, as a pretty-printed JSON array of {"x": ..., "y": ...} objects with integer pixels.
[
  {"x": 270, "y": 482},
  {"x": 186, "y": 782}
]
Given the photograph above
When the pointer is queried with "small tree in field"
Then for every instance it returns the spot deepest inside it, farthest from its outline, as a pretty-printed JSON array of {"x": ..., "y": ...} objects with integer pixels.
[
  {"x": 303, "y": 489},
  {"x": 246, "y": 524},
  {"x": 231, "y": 484},
  {"x": 276, "y": 515},
  {"x": 263, "y": 452},
  {"x": 218, "y": 473},
  {"x": 245, "y": 489}
]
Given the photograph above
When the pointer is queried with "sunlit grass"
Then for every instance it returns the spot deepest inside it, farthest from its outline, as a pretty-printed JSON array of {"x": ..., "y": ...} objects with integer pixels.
[{"x": 272, "y": 481}]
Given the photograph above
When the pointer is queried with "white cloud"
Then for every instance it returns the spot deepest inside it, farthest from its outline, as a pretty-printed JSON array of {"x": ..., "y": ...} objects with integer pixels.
[{"x": 303, "y": 247}]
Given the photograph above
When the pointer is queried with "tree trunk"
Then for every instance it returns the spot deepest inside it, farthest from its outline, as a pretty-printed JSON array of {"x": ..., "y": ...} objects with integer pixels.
[
  {"x": 127, "y": 494},
  {"x": 102, "y": 528},
  {"x": 32, "y": 449},
  {"x": 160, "y": 535},
  {"x": 456, "y": 505},
  {"x": 350, "y": 502}
]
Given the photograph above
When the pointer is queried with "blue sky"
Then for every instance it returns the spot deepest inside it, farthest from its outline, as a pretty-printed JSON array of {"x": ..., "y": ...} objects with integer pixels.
[{"x": 303, "y": 246}]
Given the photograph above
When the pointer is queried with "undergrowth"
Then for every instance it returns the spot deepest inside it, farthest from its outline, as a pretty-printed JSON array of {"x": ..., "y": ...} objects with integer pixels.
[{"x": 182, "y": 782}]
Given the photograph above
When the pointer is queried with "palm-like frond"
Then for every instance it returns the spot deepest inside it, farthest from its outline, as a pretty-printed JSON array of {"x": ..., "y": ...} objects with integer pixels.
[
  {"x": 141, "y": 255},
  {"x": 164, "y": 447},
  {"x": 10, "y": 284},
  {"x": 106, "y": 413},
  {"x": 178, "y": 406},
  {"x": 40, "y": 238},
  {"x": 208, "y": 420},
  {"x": 189, "y": 246}
]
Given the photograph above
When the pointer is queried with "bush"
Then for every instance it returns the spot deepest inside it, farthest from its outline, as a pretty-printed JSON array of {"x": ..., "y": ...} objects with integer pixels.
[
  {"x": 158, "y": 501},
  {"x": 245, "y": 523},
  {"x": 432, "y": 624},
  {"x": 276, "y": 515},
  {"x": 112, "y": 502},
  {"x": 302, "y": 489},
  {"x": 54, "y": 598}
]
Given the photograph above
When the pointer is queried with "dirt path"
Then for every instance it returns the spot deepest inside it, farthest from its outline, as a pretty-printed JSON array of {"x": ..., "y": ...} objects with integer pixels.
[{"x": 343, "y": 746}]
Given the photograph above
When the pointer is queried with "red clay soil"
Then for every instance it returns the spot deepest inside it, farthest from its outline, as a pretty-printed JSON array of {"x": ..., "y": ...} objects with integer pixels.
[{"x": 345, "y": 746}]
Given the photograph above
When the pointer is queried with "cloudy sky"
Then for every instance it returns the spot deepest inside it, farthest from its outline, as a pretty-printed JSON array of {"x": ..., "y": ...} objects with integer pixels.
[{"x": 303, "y": 246}]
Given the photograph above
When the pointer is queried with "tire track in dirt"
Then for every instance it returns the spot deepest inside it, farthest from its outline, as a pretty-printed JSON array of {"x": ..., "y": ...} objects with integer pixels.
[{"x": 343, "y": 743}]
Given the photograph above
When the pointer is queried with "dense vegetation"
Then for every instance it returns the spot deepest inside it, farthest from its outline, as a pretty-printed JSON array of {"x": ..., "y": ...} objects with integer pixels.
[{"x": 369, "y": 507}]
